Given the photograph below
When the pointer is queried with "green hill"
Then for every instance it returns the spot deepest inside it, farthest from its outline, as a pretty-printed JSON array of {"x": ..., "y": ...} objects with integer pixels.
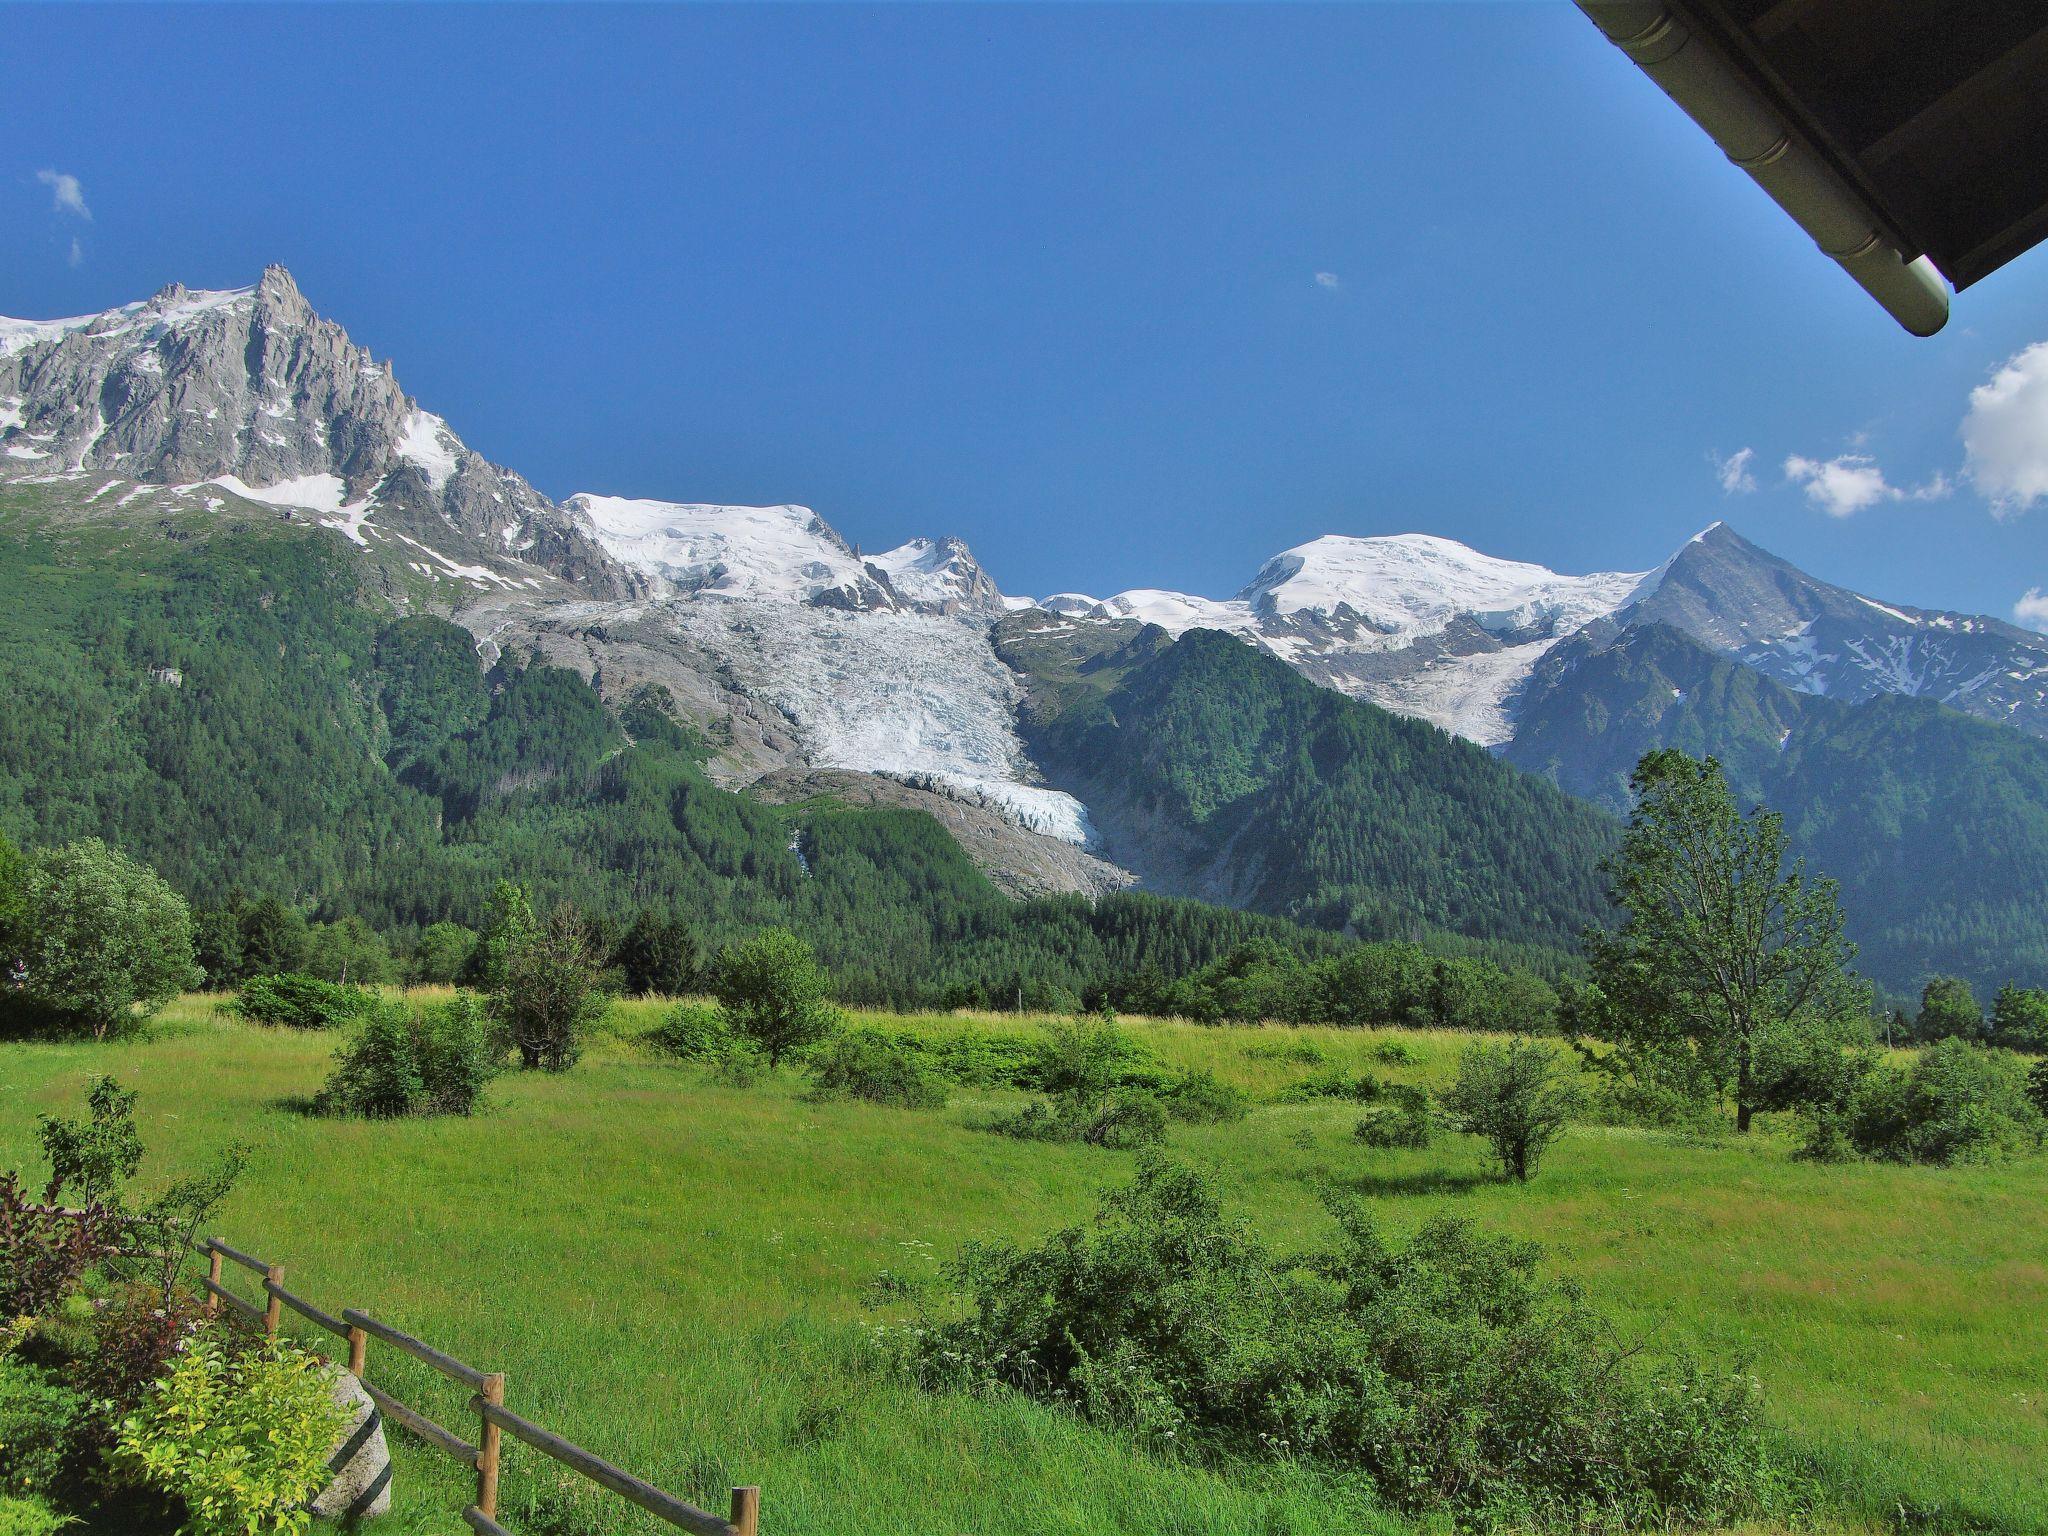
[{"x": 1216, "y": 770}]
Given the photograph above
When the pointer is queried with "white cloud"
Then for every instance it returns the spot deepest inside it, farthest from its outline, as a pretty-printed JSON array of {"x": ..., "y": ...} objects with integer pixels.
[
  {"x": 2005, "y": 434},
  {"x": 77, "y": 251},
  {"x": 1328, "y": 280},
  {"x": 1734, "y": 472},
  {"x": 66, "y": 195},
  {"x": 1851, "y": 482},
  {"x": 2032, "y": 610}
]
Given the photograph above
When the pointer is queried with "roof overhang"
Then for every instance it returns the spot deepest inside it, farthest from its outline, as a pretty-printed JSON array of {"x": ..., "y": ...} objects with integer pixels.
[{"x": 1908, "y": 137}]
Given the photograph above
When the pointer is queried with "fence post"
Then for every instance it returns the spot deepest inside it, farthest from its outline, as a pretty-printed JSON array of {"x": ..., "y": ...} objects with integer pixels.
[
  {"x": 487, "y": 1447},
  {"x": 358, "y": 1346},
  {"x": 746, "y": 1511},
  {"x": 213, "y": 1274},
  {"x": 273, "y": 1313}
]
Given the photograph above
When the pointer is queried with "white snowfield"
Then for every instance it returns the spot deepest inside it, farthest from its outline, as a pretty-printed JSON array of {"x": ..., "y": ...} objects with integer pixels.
[
  {"x": 785, "y": 552},
  {"x": 930, "y": 571}
]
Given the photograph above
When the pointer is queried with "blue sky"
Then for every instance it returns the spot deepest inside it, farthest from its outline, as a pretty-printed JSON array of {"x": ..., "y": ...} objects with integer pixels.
[{"x": 1123, "y": 295}]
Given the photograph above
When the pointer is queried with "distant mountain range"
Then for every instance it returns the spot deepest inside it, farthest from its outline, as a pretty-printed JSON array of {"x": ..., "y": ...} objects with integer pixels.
[{"x": 1079, "y": 743}]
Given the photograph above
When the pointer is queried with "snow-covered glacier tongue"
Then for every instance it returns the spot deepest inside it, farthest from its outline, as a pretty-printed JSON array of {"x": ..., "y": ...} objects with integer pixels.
[{"x": 880, "y": 665}]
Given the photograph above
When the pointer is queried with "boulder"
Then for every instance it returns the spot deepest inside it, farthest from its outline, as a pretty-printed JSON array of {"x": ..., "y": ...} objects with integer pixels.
[{"x": 361, "y": 1461}]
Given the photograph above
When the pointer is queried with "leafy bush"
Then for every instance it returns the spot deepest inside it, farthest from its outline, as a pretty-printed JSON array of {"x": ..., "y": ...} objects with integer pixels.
[
  {"x": 1199, "y": 1098},
  {"x": 30, "y": 1517},
  {"x": 241, "y": 1439},
  {"x": 302, "y": 1002},
  {"x": 1516, "y": 1096},
  {"x": 1123, "y": 1119},
  {"x": 1359, "y": 1088},
  {"x": 96, "y": 1156},
  {"x": 1395, "y": 1053},
  {"x": 983, "y": 1058},
  {"x": 2037, "y": 1087},
  {"x": 1302, "y": 1052},
  {"x": 40, "y": 1424},
  {"x": 693, "y": 1032},
  {"x": 436, "y": 1061},
  {"x": 867, "y": 1064},
  {"x": 1956, "y": 1103},
  {"x": 1448, "y": 1375},
  {"x": 1401, "y": 1119},
  {"x": 100, "y": 940},
  {"x": 774, "y": 993},
  {"x": 1084, "y": 1066},
  {"x": 552, "y": 991},
  {"x": 131, "y": 1336},
  {"x": 44, "y": 1253}
]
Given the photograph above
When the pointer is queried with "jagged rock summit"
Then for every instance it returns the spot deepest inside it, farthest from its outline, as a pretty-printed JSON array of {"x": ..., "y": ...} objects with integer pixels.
[{"x": 249, "y": 390}]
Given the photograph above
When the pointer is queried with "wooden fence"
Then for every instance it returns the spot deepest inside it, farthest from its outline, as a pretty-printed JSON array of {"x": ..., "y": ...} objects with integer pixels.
[{"x": 494, "y": 1419}]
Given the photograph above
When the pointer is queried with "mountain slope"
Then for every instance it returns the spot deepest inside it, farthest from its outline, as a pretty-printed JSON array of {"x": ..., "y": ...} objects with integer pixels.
[
  {"x": 1214, "y": 769},
  {"x": 1935, "y": 824},
  {"x": 227, "y": 698}
]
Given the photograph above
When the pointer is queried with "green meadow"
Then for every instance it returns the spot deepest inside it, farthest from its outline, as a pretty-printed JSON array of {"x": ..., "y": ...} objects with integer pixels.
[{"x": 674, "y": 1272}]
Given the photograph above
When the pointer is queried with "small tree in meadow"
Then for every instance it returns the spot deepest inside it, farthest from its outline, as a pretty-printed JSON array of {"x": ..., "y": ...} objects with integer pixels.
[
  {"x": 101, "y": 940},
  {"x": 95, "y": 1156},
  {"x": 553, "y": 992},
  {"x": 1949, "y": 1011},
  {"x": 1724, "y": 940},
  {"x": 658, "y": 954},
  {"x": 774, "y": 994},
  {"x": 1517, "y": 1096}
]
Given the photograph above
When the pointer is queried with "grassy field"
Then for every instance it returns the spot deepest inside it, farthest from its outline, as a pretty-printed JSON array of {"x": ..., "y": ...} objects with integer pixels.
[{"x": 671, "y": 1271}]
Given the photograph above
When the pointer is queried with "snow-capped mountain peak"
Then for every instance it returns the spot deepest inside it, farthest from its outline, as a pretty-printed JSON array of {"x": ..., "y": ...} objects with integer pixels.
[
  {"x": 1417, "y": 583},
  {"x": 940, "y": 576},
  {"x": 782, "y": 552}
]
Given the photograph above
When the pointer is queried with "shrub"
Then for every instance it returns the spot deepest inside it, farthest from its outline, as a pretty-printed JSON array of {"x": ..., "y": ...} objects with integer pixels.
[
  {"x": 101, "y": 940},
  {"x": 1395, "y": 1053},
  {"x": 241, "y": 1439},
  {"x": 1517, "y": 1097},
  {"x": 40, "y": 1425},
  {"x": 1449, "y": 1374},
  {"x": 302, "y": 1002},
  {"x": 1085, "y": 1067},
  {"x": 441, "y": 955},
  {"x": 133, "y": 1334},
  {"x": 1359, "y": 1088},
  {"x": 552, "y": 993},
  {"x": 867, "y": 1064},
  {"x": 693, "y": 1032},
  {"x": 658, "y": 954},
  {"x": 437, "y": 1061},
  {"x": 1401, "y": 1120},
  {"x": 773, "y": 993},
  {"x": 2037, "y": 1087},
  {"x": 1303, "y": 1052},
  {"x": 30, "y": 1517},
  {"x": 1956, "y": 1103},
  {"x": 96, "y": 1156},
  {"x": 44, "y": 1253},
  {"x": 983, "y": 1058},
  {"x": 1199, "y": 1098}
]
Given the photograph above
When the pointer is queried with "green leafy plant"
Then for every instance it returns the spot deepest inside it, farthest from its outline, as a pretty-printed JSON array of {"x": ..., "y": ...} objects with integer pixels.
[
  {"x": 40, "y": 1424},
  {"x": 773, "y": 992},
  {"x": 867, "y": 1064},
  {"x": 30, "y": 1517},
  {"x": 302, "y": 1002},
  {"x": 240, "y": 1439},
  {"x": 1517, "y": 1096},
  {"x": 1449, "y": 1374},
  {"x": 1400, "y": 1119},
  {"x": 437, "y": 1060}
]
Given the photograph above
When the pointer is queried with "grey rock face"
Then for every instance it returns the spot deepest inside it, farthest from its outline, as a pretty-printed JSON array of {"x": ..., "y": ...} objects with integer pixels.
[
  {"x": 361, "y": 1461},
  {"x": 251, "y": 383},
  {"x": 1743, "y": 602}
]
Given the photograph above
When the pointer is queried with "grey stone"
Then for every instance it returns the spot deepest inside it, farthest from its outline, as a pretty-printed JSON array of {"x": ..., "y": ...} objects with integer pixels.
[{"x": 361, "y": 1461}]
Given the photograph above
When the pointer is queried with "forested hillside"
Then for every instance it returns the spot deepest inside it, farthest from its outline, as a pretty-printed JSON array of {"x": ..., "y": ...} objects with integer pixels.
[
  {"x": 227, "y": 705},
  {"x": 1935, "y": 824},
  {"x": 1219, "y": 770}
]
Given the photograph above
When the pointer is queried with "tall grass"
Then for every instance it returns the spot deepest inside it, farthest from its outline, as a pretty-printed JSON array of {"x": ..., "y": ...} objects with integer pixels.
[{"x": 672, "y": 1272}]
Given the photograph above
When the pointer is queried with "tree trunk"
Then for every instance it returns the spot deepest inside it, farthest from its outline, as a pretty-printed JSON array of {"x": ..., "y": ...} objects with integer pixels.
[{"x": 1745, "y": 1084}]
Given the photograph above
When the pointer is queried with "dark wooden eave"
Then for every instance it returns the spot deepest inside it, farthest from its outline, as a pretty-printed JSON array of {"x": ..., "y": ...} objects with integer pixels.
[{"x": 1934, "y": 111}]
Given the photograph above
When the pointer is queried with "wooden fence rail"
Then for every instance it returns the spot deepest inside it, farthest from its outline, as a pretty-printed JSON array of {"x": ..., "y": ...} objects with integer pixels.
[{"x": 494, "y": 1419}]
